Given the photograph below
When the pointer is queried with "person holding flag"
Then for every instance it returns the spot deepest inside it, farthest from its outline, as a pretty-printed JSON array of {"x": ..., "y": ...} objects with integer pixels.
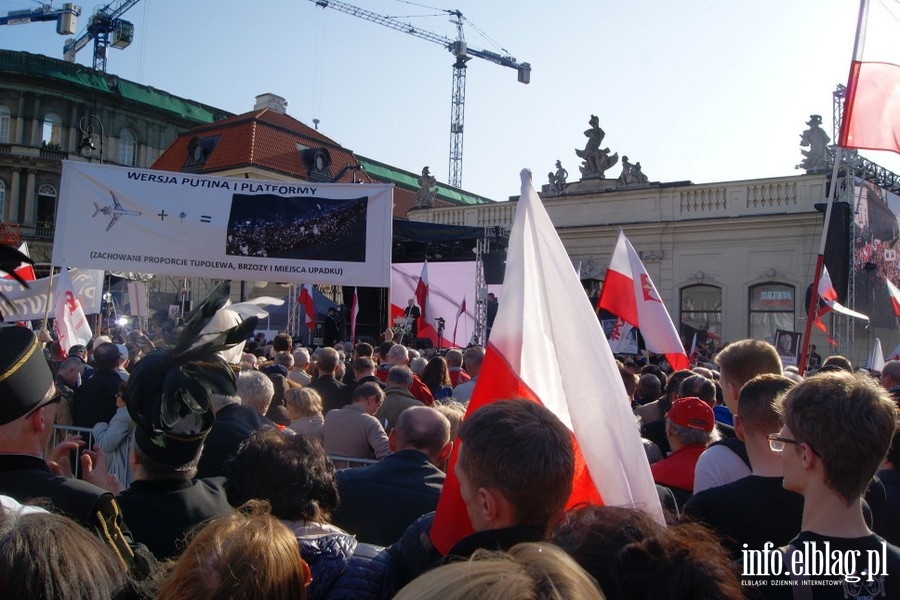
[{"x": 547, "y": 347}]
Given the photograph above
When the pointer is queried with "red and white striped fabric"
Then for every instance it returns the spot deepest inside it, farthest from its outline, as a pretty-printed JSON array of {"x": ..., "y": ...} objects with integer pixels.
[
  {"x": 25, "y": 271},
  {"x": 307, "y": 305},
  {"x": 547, "y": 346},
  {"x": 895, "y": 297},
  {"x": 872, "y": 106},
  {"x": 629, "y": 293}
]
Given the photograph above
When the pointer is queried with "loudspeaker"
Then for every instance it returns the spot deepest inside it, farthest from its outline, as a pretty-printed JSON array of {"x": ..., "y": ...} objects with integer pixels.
[
  {"x": 837, "y": 248},
  {"x": 494, "y": 267}
]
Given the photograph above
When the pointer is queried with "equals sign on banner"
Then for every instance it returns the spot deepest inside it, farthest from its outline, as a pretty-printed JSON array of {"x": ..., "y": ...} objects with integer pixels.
[{"x": 205, "y": 218}]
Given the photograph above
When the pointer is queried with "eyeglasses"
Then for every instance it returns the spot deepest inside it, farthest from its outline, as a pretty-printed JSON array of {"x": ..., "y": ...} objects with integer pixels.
[
  {"x": 777, "y": 442},
  {"x": 55, "y": 399}
]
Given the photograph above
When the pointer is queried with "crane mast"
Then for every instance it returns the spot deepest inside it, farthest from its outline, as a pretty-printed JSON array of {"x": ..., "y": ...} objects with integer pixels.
[
  {"x": 106, "y": 29},
  {"x": 462, "y": 54}
]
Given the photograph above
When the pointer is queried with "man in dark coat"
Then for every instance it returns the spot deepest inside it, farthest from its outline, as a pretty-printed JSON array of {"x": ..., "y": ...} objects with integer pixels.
[
  {"x": 95, "y": 398},
  {"x": 331, "y": 390},
  {"x": 400, "y": 488}
]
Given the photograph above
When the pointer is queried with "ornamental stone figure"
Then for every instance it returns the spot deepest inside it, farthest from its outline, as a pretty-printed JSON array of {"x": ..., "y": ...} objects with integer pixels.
[
  {"x": 558, "y": 179},
  {"x": 425, "y": 195},
  {"x": 814, "y": 138},
  {"x": 596, "y": 159},
  {"x": 631, "y": 173}
]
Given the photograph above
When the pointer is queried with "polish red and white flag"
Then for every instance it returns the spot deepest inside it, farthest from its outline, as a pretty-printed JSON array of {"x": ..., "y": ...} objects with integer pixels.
[
  {"x": 629, "y": 293},
  {"x": 307, "y": 305},
  {"x": 872, "y": 104},
  {"x": 895, "y": 297},
  {"x": 547, "y": 346}
]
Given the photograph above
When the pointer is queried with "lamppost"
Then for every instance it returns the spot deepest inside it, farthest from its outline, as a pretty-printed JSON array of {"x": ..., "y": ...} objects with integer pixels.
[{"x": 86, "y": 125}]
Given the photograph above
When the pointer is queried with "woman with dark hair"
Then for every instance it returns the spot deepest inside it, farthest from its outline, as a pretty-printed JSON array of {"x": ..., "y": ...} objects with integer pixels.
[
  {"x": 437, "y": 377},
  {"x": 43, "y": 555},
  {"x": 633, "y": 557},
  {"x": 293, "y": 474}
]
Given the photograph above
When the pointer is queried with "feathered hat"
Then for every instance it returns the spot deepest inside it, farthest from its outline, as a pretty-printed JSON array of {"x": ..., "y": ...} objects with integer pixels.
[{"x": 169, "y": 392}]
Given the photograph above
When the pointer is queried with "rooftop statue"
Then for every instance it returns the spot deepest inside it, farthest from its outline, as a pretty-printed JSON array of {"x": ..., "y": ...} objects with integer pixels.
[
  {"x": 631, "y": 173},
  {"x": 814, "y": 138},
  {"x": 427, "y": 189},
  {"x": 558, "y": 179},
  {"x": 596, "y": 159}
]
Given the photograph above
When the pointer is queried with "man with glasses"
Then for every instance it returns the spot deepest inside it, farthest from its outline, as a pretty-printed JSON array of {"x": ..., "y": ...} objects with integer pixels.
[
  {"x": 28, "y": 401},
  {"x": 837, "y": 430}
]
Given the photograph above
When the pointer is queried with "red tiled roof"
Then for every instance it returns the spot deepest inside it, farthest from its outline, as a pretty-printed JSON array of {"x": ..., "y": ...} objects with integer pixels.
[{"x": 261, "y": 138}]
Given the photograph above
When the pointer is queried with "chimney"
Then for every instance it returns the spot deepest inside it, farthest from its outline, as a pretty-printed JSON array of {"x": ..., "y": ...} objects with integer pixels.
[{"x": 271, "y": 101}]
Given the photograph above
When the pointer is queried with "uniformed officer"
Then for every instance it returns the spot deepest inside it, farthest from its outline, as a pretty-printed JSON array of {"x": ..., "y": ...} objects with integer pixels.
[{"x": 28, "y": 400}]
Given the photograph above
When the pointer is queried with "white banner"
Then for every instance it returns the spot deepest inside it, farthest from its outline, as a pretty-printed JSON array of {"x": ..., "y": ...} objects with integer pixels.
[
  {"x": 31, "y": 304},
  {"x": 186, "y": 225}
]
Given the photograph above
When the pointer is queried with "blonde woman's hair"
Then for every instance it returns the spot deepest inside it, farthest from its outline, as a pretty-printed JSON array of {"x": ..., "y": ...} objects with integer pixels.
[
  {"x": 247, "y": 554},
  {"x": 304, "y": 401},
  {"x": 531, "y": 571}
]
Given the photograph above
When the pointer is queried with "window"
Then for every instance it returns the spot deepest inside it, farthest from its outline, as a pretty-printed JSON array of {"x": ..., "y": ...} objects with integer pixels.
[
  {"x": 127, "y": 149},
  {"x": 701, "y": 310},
  {"x": 771, "y": 308},
  {"x": 46, "y": 206},
  {"x": 4, "y": 124},
  {"x": 52, "y": 132}
]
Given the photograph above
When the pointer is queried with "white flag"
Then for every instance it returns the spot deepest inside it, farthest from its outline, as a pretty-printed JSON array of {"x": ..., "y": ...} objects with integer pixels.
[{"x": 71, "y": 325}]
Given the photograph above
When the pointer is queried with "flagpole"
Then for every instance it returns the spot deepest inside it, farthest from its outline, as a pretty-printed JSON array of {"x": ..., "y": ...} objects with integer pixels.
[
  {"x": 820, "y": 261},
  {"x": 49, "y": 295}
]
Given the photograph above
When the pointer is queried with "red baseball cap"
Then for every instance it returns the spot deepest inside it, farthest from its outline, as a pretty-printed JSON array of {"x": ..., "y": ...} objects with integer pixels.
[{"x": 692, "y": 413}]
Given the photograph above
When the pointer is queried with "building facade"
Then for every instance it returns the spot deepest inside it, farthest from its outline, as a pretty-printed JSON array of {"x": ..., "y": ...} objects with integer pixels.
[
  {"x": 731, "y": 258},
  {"x": 48, "y": 107}
]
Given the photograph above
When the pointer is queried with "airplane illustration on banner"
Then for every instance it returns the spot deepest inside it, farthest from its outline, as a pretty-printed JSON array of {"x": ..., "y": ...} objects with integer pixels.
[{"x": 114, "y": 211}]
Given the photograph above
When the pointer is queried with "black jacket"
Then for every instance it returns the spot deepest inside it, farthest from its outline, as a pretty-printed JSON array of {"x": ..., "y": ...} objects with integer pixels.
[
  {"x": 400, "y": 488},
  {"x": 161, "y": 513}
]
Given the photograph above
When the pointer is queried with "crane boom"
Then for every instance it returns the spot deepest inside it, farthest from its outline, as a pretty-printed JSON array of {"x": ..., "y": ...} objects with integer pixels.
[
  {"x": 65, "y": 17},
  {"x": 462, "y": 54},
  {"x": 104, "y": 21}
]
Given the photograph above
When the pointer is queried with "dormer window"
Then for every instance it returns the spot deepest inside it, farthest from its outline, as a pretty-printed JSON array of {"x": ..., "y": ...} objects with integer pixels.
[
  {"x": 199, "y": 150},
  {"x": 317, "y": 162}
]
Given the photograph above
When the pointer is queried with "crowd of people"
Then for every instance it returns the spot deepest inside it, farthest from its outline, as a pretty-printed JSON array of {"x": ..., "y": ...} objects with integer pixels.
[{"x": 230, "y": 466}]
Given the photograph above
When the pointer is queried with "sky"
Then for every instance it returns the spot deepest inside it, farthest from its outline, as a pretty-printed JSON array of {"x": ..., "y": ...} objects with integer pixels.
[{"x": 699, "y": 90}]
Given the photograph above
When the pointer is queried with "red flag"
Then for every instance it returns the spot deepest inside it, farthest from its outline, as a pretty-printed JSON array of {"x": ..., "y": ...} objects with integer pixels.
[
  {"x": 629, "y": 293},
  {"x": 547, "y": 346},
  {"x": 459, "y": 313},
  {"x": 872, "y": 106},
  {"x": 71, "y": 325},
  {"x": 305, "y": 300},
  {"x": 895, "y": 297},
  {"x": 354, "y": 310},
  {"x": 422, "y": 296},
  {"x": 24, "y": 270}
]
